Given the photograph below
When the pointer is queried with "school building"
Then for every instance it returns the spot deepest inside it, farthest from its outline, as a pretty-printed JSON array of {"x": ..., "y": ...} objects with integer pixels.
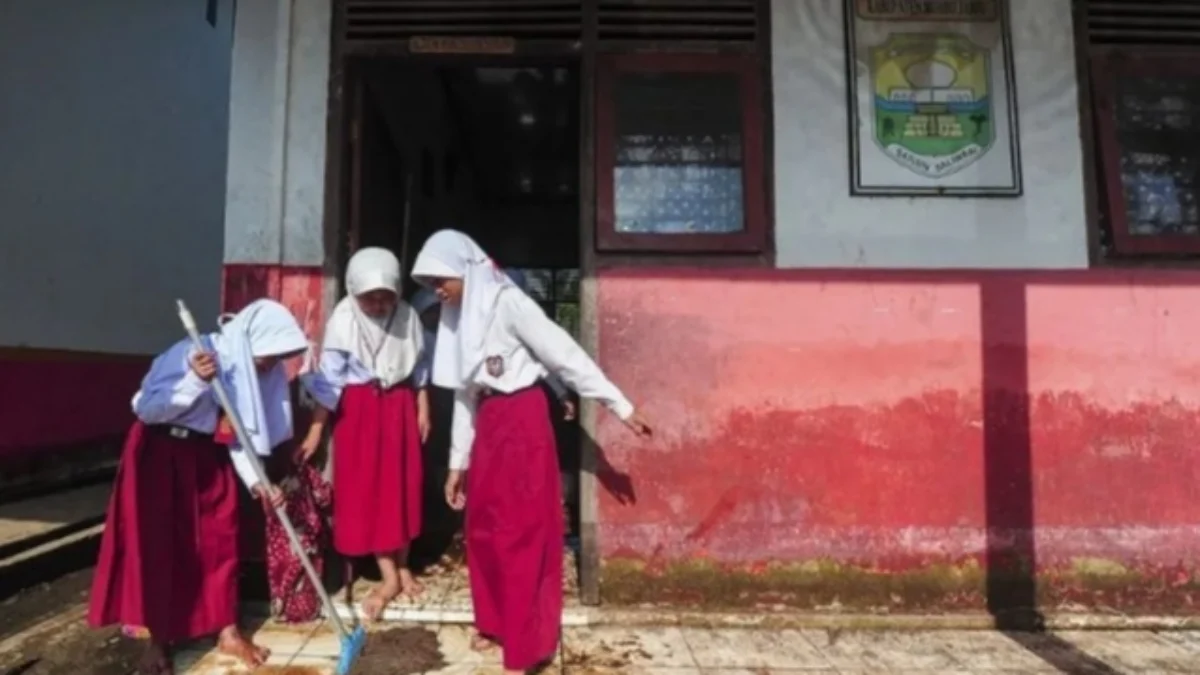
[{"x": 907, "y": 287}]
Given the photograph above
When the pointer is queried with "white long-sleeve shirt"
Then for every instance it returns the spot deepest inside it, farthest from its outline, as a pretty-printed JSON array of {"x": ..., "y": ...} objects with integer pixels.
[{"x": 529, "y": 347}]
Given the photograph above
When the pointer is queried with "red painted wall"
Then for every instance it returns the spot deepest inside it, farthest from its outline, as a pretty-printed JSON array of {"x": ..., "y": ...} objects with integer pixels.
[
  {"x": 63, "y": 412},
  {"x": 899, "y": 420}
]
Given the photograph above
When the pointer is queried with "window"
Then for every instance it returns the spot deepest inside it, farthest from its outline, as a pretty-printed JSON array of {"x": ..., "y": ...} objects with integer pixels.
[
  {"x": 1148, "y": 143},
  {"x": 557, "y": 291},
  {"x": 680, "y": 153}
]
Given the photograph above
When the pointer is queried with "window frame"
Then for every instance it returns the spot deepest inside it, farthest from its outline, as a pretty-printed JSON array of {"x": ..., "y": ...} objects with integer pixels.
[
  {"x": 753, "y": 238},
  {"x": 1107, "y": 65}
]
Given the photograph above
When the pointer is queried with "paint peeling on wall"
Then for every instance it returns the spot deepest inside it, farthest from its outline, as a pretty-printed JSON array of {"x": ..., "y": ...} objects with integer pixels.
[{"x": 899, "y": 423}]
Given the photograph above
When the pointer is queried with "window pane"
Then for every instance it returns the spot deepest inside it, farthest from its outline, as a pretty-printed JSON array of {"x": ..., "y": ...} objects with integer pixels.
[
  {"x": 566, "y": 314},
  {"x": 1158, "y": 126},
  {"x": 566, "y": 285},
  {"x": 678, "y": 162}
]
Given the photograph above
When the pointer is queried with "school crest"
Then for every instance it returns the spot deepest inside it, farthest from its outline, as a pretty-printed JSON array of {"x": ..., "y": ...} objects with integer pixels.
[
  {"x": 495, "y": 365},
  {"x": 933, "y": 101}
]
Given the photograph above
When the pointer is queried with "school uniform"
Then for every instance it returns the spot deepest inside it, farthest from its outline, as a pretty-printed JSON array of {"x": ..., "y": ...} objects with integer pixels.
[
  {"x": 494, "y": 350},
  {"x": 168, "y": 558},
  {"x": 369, "y": 376}
]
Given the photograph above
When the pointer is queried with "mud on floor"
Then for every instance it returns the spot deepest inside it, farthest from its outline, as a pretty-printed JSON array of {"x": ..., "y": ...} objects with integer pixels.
[{"x": 400, "y": 651}]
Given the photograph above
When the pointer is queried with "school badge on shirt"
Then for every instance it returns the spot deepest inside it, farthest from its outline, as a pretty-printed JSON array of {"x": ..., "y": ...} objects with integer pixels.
[{"x": 495, "y": 365}]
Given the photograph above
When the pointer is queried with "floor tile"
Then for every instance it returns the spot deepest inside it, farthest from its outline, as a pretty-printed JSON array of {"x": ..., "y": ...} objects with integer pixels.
[
  {"x": 617, "y": 647},
  {"x": 1132, "y": 650},
  {"x": 737, "y": 648}
]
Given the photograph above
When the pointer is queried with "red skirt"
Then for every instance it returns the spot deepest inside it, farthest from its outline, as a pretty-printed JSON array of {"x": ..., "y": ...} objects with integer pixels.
[
  {"x": 514, "y": 527},
  {"x": 169, "y": 555},
  {"x": 377, "y": 484}
]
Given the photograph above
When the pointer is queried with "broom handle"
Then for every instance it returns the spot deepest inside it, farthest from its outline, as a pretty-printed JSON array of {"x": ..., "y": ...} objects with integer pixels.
[{"x": 189, "y": 324}]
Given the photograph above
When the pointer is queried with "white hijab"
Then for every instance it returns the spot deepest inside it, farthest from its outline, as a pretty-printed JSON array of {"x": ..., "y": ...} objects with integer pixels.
[
  {"x": 389, "y": 346},
  {"x": 450, "y": 254},
  {"x": 263, "y": 402}
]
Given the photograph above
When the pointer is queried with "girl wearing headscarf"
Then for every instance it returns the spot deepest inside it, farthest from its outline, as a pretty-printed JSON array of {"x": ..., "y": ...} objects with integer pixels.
[
  {"x": 168, "y": 558},
  {"x": 369, "y": 377},
  {"x": 494, "y": 344}
]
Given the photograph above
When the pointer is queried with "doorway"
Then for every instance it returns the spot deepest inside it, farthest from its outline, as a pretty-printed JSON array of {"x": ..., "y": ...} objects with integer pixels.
[{"x": 489, "y": 146}]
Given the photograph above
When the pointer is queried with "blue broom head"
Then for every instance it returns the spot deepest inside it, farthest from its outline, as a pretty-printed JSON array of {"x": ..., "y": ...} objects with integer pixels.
[{"x": 352, "y": 646}]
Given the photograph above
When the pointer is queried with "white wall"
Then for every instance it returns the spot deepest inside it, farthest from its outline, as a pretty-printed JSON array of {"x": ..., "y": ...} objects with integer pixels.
[
  {"x": 112, "y": 169},
  {"x": 280, "y": 90},
  {"x": 818, "y": 224}
]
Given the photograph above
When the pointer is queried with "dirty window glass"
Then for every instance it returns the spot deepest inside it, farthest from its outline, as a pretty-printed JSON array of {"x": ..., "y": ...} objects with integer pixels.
[
  {"x": 557, "y": 291},
  {"x": 678, "y": 162},
  {"x": 1158, "y": 133}
]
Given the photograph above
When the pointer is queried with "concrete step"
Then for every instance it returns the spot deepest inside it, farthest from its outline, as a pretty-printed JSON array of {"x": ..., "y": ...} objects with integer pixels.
[{"x": 46, "y": 536}]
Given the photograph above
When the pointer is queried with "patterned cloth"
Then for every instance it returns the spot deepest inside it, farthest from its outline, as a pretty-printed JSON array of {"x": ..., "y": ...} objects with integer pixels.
[{"x": 293, "y": 599}]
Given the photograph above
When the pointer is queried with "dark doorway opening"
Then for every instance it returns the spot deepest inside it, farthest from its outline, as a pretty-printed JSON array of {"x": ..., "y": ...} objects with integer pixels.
[{"x": 489, "y": 146}]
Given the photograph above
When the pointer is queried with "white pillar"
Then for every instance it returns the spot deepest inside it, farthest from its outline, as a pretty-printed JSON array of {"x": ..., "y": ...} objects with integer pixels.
[{"x": 278, "y": 98}]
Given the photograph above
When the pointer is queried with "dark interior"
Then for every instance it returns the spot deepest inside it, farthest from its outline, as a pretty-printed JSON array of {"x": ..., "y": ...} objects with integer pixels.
[{"x": 489, "y": 149}]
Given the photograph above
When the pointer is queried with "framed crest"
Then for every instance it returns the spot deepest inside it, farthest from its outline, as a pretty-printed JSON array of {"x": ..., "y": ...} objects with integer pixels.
[{"x": 931, "y": 99}]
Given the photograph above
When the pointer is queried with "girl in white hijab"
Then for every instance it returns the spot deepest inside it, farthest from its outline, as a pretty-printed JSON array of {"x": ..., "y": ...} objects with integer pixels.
[
  {"x": 494, "y": 344},
  {"x": 369, "y": 379},
  {"x": 168, "y": 561}
]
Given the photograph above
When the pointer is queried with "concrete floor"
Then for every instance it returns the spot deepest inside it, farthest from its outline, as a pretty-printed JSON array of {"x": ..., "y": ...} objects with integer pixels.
[{"x": 684, "y": 651}]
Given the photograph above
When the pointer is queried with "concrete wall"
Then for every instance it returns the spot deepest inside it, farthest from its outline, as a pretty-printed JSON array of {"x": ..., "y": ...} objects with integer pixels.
[
  {"x": 113, "y": 170},
  {"x": 275, "y": 208},
  {"x": 112, "y": 183},
  {"x": 888, "y": 439},
  {"x": 818, "y": 223}
]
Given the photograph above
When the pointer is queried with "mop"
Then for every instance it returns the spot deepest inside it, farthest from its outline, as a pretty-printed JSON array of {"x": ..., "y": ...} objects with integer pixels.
[{"x": 351, "y": 642}]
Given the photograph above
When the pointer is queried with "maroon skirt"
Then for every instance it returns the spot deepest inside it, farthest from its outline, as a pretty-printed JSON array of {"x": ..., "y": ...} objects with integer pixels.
[
  {"x": 377, "y": 480},
  {"x": 169, "y": 555},
  {"x": 514, "y": 527}
]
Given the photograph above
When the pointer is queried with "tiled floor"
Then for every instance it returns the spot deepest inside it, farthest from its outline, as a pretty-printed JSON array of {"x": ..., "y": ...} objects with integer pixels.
[
  {"x": 447, "y": 596},
  {"x": 684, "y": 651}
]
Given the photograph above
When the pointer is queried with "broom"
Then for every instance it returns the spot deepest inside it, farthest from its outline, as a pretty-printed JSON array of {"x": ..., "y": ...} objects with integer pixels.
[{"x": 351, "y": 641}]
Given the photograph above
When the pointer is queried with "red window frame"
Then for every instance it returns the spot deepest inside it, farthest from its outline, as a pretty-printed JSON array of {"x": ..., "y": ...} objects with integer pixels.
[
  {"x": 753, "y": 237},
  {"x": 1107, "y": 66}
]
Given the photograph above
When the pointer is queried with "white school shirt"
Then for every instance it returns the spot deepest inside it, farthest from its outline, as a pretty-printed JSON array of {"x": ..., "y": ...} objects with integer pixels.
[{"x": 527, "y": 346}]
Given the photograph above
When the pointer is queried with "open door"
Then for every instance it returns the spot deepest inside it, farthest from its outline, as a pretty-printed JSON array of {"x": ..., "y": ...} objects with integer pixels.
[{"x": 378, "y": 199}]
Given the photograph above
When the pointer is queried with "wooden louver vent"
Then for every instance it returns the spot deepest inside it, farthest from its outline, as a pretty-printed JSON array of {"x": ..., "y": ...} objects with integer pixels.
[
  {"x": 1143, "y": 22},
  {"x": 389, "y": 20},
  {"x": 673, "y": 20}
]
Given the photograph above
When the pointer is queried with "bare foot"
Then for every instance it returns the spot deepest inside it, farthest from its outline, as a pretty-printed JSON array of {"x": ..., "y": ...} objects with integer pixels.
[
  {"x": 409, "y": 585},
  {"x": 482, "y": 643},
  {"x": 377, "y": 600},
  {"x": 232, "y": 642},
  {"x": 155, "y": 661}
]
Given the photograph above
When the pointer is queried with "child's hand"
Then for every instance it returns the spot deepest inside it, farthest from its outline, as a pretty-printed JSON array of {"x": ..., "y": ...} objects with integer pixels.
[
  {"x": 639, "y": 426},
  {"x": 204, "y": 365},
  {"x": 454, "y": 491},
  {"x": 269, "y": 495},
  {"x": 308, "y": 447},
  {"x": 568, "y": 409}
]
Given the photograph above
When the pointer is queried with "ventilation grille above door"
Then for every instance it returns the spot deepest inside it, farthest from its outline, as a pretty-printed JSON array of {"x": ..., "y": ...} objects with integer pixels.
[
  {"x": 674, "y": 20},
  {"x": 389, "y": 20},
  {"x": 1143, "y": 22}
]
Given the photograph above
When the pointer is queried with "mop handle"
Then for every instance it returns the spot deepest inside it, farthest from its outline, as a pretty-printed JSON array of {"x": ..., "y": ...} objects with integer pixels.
[{"x": 189, "y": 324}]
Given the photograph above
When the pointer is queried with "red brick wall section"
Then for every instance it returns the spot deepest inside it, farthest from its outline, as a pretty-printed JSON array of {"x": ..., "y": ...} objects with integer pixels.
[{"x": 821, "y": 430}]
